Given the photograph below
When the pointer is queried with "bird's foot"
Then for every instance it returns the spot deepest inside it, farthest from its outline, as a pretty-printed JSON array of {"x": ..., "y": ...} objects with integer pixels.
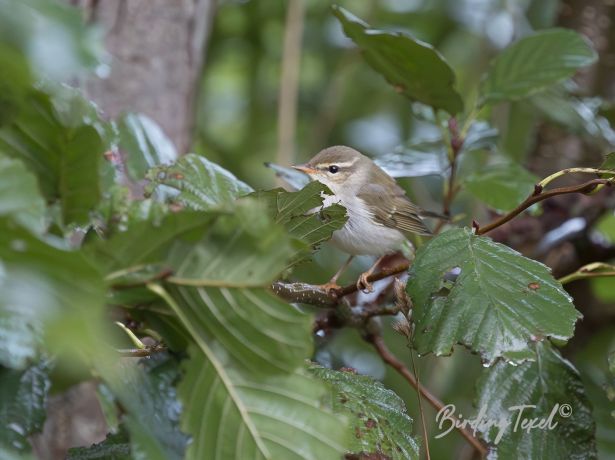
[
  {"x": 331, "y": 287},
  {"x": 363, "y": 283}
]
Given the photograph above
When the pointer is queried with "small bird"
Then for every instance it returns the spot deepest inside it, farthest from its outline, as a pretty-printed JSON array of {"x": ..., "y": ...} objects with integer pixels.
[{"x": 380, "y": 215}]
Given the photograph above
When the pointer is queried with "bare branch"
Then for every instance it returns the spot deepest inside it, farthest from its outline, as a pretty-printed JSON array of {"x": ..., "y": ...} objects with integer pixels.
[{"x": 539, "y": 195}]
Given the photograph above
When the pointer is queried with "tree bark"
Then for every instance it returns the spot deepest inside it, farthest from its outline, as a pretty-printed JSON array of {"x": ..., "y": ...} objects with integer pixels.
[{"x": 157, "y": 49}]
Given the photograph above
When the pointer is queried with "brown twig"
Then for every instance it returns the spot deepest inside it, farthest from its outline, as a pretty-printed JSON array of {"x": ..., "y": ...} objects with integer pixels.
[
  {"x": 317, "y": 295},
  {"x": 539, "y": 195},
  {"x": 378, "y": 343},
  {"x": 141, "y": 352}
]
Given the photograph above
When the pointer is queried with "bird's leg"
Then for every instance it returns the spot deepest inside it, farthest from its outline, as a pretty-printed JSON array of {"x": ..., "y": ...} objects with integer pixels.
[
  {"x": 332, "y": 284},
  {"x": 363, "y": 284}
]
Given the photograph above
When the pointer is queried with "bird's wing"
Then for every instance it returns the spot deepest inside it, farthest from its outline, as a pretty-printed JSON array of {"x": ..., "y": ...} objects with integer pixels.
[{"x": 391, "y": 207}]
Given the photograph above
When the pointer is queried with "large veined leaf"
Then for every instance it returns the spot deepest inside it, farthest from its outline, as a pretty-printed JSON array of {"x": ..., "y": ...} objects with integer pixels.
[
  {"x": 503, "y": 186},
  {"x": 146, "y": 391},
  {"x": 414, "y": 68},
  {"x": 147, "y": 242},
  {"x": 23, "y": 404},
  {"x": 380, "y": 424},
  {"x": 552, "y": 390},
  {"x": 144, "y": 144},
  {"x": 197, "y": 183},
  {"x": 64, "y": 155},
  {"x": 534, "y": 63},
  {"x": 20, "y": 196},
  {"x": 47, "y": 295},
  {"x": 499, "y": 303},
  {"x": 246, "y": 415}
]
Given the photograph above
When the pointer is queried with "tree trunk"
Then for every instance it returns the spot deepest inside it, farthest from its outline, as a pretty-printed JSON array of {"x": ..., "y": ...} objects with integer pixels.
[{"x": 157, "y": 50}]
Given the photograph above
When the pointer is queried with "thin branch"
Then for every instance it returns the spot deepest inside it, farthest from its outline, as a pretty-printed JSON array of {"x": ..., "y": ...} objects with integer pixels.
[
  {"x": 378, "y": 343},
  {"x": 141, "y": 352},
  {"x": 319, "y": 296},
  {"x": 593, "y": 270},
  {"x": 539, "y": 195}
]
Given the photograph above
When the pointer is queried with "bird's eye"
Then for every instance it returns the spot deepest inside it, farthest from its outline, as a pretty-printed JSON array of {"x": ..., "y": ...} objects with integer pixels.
[{"x": 333, "y": 169}]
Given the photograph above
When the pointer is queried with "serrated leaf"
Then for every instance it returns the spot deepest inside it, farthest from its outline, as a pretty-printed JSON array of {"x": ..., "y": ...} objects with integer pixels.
[
  {"x": 47, "y": 296},
  {"x": 263, "y": 416},
  {"x": 144, "y": 144},
  {"x": 499, "y": 303},
  {"x": 553, "y": 386},
  {"x": 296, "y": 211},
  {"x": 64, "y": 154},
  {"x": 114, "y": 447},
  {"x": 535, "y": 62},
  {"x": 380, "y": 424},
  {"x": 413, "y": 67},
  {"x": 502, "y": 187},
  {"x": 23, "y": 404},
  {"x": 197, "y": 183},
  {"x": 20, "y": 196}
]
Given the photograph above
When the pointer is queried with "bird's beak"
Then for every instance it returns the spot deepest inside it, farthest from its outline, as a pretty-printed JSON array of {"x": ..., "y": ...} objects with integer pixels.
[{"x": 304, "y": 168}]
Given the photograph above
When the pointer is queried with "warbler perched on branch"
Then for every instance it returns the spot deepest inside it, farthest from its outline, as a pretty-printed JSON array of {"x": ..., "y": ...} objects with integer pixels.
[{"x": 380, "y": 215}]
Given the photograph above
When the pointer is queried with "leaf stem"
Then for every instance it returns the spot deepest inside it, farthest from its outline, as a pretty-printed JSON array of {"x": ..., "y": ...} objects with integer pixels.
[
  {"x": 133, "y": 338},
  {"x": 593, "y": 270},
  {"x": 378, "y": 343},
  {"x": 539, "y": 195}
]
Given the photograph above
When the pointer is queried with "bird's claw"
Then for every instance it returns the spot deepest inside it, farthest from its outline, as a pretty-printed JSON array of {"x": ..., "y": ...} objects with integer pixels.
[{"x": 363, "y": 284}]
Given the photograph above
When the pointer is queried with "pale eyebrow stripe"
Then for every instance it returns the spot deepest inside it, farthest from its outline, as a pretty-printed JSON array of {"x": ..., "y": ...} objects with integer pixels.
[{"x": 345, "y": 164}]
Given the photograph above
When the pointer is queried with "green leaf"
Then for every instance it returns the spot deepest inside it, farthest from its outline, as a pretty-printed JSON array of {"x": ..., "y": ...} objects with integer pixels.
[
  {"x": 499, "y": 303},
  {"x": 15, "y": 81},
  {"x": 147, "y": 242},
  {"x": 114, "y": 447},
  {"x": 609, "y": 162},
  {"x": 502, "y": 187},
  {"x": 481, "y": 135},
  {"x": 554, "y": 387},
  {"x": 247, "y": 415},
  {"x": 144, "y": 144},
  {"x": 52, "y": 35},
  {"x": 197, "y": 183},
  {"x": 64, "y": 154},
  {"x": 414, "y": 68},
  {"x": 380, "y": 424},
  {"x": 146, "y": 391},
  {"x": 294, "y": 210},
  {"x": 23, "y": 404},
  {"x": 20, "y": 196},
  {"x": 49, "y": 298},
  {"x": 534, "y": 63}
]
